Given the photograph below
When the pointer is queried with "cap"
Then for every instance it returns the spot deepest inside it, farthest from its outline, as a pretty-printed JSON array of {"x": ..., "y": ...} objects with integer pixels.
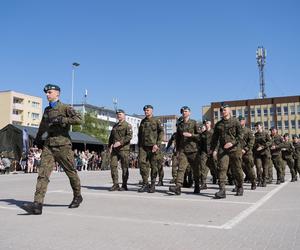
[
  {"x": 241, "y": 117},
  {"x": 286, "y": 135},
  {"x": 224, "y": 105},
  {"x": 295, "y": 136},
  {"x": 258, "y": 123},
  {"x": 184, "y": 108},
  {"x": 51, "y": 87},
  {"x": 120, "y": 111},
  {"x": 148, "y": 106}
]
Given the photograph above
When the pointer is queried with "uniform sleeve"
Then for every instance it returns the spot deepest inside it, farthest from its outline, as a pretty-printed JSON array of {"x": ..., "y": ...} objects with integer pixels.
[
  {"x": 251, "y": 140},
  {"x": 42, "y": 129},
  {"x": 214, "y": 139},
  {"x": 239, "y": 133},
  {"x": 110, "y": 139},
  {"x": 170, "y": 142},
  {"x": 128, "y": 135},
  {"x": 160, "y": 133},
  {"x": 196, "y": 134},
  {"x": 268, "y": 140},
  {"x": 72, "y": 117},
  {"x": 140, "y": 134}
]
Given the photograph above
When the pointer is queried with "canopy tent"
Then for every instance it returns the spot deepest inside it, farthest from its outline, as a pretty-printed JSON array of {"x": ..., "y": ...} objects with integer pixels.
[{"x": 15, "y": 139}]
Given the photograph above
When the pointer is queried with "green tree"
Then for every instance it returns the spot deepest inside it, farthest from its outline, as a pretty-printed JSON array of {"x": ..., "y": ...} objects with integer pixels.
[{"x": 92, "y": 126}]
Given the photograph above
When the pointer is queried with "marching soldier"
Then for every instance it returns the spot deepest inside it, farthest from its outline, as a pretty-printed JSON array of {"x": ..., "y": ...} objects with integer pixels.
[
  {"x": 262, "y": 157},
  {"x": 150, "y": 137},
  {"x": 174, "y": 157},
  {"x": 296, "y": 145},
  {"x": 56, "y": 121},
  {"x": 228, "y": 134},
  {"x": 187, "y": 136},
  {"x": 119, "y": 145},
  {"x": 287, "y": 155}
]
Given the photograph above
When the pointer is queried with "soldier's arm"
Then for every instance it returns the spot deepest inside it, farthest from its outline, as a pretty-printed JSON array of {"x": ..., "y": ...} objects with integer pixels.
[
  {"x": 250, "y": 143},
  {"x": 72, "y": 117},
  {"x": 171, "y": 140},
  {"x": 239, "y": 133},
  {"x": 42, "y": 129},
  {"x": 110, "y": 139},
  {"x": 160, "y": 133},
  {"x": 268, "y": 142},
  {"x": 214, "y": 139},
  {"x": 128, "y": 135},
  {"x": 139, "y": 135}
]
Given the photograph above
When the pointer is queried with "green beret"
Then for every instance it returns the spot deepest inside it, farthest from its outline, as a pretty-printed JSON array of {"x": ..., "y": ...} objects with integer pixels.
[
  {"x": 148, "y": 106},
  {"x": 184, "y": 108},
  {"x": 258, "y": 123},
  {"x": 51, "y": 87},
  {"x": 120, "y": 111},
  {"x": 241, "y": 117},
  {"x": 224, "y": 105}
]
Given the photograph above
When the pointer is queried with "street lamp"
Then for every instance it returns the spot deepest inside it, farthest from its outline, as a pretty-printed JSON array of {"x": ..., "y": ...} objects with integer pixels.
[{"x": 74, "y": 65}]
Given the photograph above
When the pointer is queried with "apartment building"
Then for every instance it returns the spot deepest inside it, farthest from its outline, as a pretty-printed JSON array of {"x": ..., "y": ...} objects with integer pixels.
[
  {"x": 281, "y": 112},
  {"x": 20, "y": 109}
]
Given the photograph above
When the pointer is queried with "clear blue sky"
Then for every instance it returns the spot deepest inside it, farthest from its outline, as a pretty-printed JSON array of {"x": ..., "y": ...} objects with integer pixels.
[{"x": 166, "y": 53}]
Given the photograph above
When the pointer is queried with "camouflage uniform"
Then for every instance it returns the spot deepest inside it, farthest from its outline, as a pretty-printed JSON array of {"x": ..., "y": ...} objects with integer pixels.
[
  {"x": 150, "y": 134},
  {"x": 287, "y": 156},
  {"x": 247, "y": 158},
  {"x": 296, "y": 156},
  {"x": 160, "y": 170},
  {"x": 277, "y": 158},
  {"x": 174, "y": 157},
  {"x": 262, "y": 158},
  {"x": 187, "y": 151},
  {"x": 207, "y": 161},
  {"x": 121, "y": 132},
  {"x": 56, "y": 122},
  {"x": 228, "y": 131}
]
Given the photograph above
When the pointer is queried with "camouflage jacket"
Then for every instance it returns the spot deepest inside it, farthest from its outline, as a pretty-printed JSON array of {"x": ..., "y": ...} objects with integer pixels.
[
  {"x": 287, "y": 150},
  {"x": 205, "y": 141},
  {"x": 121, "y": 132},
  {"x": 150, "y": 132},
  {"x": 56, "y": 122},
  {"x": 262, "y": 139},
  {"x": 187, "y": 144},
  {"x": 248, "y": 140},
  {"x": 171, "y": 141},
  {"x": 278, "y": 143},
  {"x": 226, "y": 131},
  {"x": 297, "y": 150}
]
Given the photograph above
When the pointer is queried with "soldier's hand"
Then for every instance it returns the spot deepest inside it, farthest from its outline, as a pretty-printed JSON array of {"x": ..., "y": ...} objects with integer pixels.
[
  {"x": 186, "y": 134},
  {"x": 117, "y": 144},
  {"x": 259, "y": 148},
  {"x": 273, "y": 147},
  {"x": 228, "y": 145},
  {"x": 215, "y": 155},
  {"x": 243, "y": 151},
  {"x": 155, "y": 148}
]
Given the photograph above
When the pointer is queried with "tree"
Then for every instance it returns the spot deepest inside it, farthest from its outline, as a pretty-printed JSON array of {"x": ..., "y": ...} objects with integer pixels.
[{"x": 92, "y": 126}]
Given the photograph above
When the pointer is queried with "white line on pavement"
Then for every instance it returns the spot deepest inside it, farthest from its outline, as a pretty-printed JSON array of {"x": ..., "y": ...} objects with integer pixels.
[{"x": 247, "y": 212}]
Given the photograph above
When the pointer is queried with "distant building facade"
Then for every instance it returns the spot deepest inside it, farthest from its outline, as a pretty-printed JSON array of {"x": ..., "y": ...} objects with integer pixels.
[
  {"x": 281, "y": 112},
  {"x": 20, "y": 109},
  {"x": 109, "y": 115},
  {"x": 169, "y": 123}
]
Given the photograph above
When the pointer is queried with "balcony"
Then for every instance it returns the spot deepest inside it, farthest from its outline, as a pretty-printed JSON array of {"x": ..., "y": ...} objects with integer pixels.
[
  {"x": 17, "y": 118},
  {"x": 18, "y": 106}
]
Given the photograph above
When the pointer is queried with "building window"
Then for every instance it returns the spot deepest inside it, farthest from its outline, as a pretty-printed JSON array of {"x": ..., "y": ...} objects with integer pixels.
[
  {"x": 216, "y": 115},
  {"x": 278, "y": 110},
  {"x": 240, "y": 112},
  {"x": 285, "y": 110},
  {"x": 246, "y": 112},
  {"x": 265, "y": 112},
  {"x": 252, "y": 112},
  {"x": 279, "y": 124},
  {"x": 271, "y": 111},
  {"x": 266, "y": 125},
  {"x": 258, "y": 112},
  {"x": 18, "y": 100},
  {"x": 286, "y": 124},
  {"x": 234, "y": 113},
  {"x": 298, "y": 109},
  {"x": 299, "y": 124},
  {"x": 292, "y": 109},
  {"x": 293, "y": 123},
  {"x": 252, "y": 125},
  {"x": 35, "y": 116},
  {"x": 272, "y": 124}
]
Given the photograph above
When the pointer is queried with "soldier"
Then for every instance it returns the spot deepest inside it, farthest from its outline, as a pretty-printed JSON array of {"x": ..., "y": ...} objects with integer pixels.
[
  {"x": 150, "y": 137},
  {"x": 247, "y": 155},
  {"x": 207, "y": 161},
  {"x": 228, "y": 133},
  {"x": 119, "y": 145},
  {"x": 287, "y": 155},
  {"x": 277, "y": 145},
  {"x": 296, "y": 145},
  {"x": 262, "y": 157},
  {"x": 187, "y": 136},
  {"x": 56, "y": 121},
  {"x": 174, "y": 157}
]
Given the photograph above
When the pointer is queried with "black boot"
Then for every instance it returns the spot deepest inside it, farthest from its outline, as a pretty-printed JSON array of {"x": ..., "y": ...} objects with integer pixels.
[
  {"x": 203, "y": 186},
  {"x": 114, "y": 187},
  {"x": 278, "y": 182},
  {"x": 144, "y": 188},
  {"x": 234, "y": 189},
  {"x": 264, "y": 183},
  {"x": 172, "y": 181},
  {"x": 33, "y": 208},
  {"x": 124, "y": 187},
  {"x": 76, "y": 201},
  {"x": 160, "y": 183},
  {"x": 253, "y": 185},
  {"x": 221, "y": 194},
  {"x": 152, "y": 187},
  {"x": 175, "y": 189},
  {"x": 240, "y": 191},
  {"x": 197, "y": 188},
  {"x": 214, "y": 181}
]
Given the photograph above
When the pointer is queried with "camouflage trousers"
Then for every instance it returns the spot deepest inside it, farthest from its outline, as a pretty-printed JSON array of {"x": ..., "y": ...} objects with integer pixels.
[
  {"x": 122, "y": 156},
  {"x": 262, "y": 163},
  {"x": 174, "y": 166},
  {"x": 184, "y": 161},
  {"x": 297, "y": 166},
  {"x": 160, "y": 166},
  {"x": 278, "y": 164},
  {"x": 291, "y": 164},
  {"x": 65, "y": 157},
  {"x": 148, "y": 160},
  {"x": 248, "y": 166},
  {"x": 234, "y": 160},
  {"x": 207, "y": 163}
]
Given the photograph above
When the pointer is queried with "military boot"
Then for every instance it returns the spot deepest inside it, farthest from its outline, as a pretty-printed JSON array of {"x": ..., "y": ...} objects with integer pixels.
[
  {"x": 144, "y": 188},
  {"x": 152, "y": 187},
  {"x": 264, "y": 183},
  {"x": 221, "y": 194},
  {"x": 278, "y": 182},
  {"x": 214, "y": 180},
  {"x": 123, "y": 187},
  {"x": 175, "y": 189},
  {"x": 160, "y": 183},
  {"x": 239, "y": 191},
  {"x": 114, "y": 187},
  {"x": 282, "y": 179},
  {"x": 253, "y": 185},
  {"x": 33, "y": 208},
  {"x": 234, "y": 189},
  {"x": 76, "y": 201},
  {"x": 172, "y": 181},
  {"x": 197, "y": 189}
]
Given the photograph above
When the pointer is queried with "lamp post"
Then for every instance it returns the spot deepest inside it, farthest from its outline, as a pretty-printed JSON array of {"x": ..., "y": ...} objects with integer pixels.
[
  {"x": 74, "y": 65},
  {"x": 261, "y": 54}
]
